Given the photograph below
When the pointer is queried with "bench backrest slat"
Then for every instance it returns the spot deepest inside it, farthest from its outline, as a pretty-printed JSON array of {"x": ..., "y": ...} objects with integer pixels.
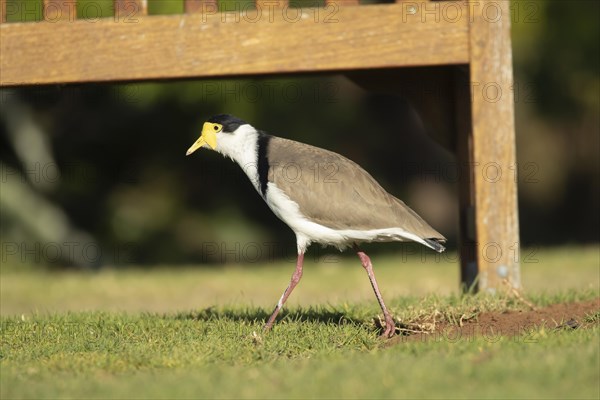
[{"x": 130, "y": 8}]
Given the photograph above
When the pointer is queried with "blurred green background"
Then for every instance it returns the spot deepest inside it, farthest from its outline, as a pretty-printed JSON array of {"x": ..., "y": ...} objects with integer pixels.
[{"x": 95, "y": 175}]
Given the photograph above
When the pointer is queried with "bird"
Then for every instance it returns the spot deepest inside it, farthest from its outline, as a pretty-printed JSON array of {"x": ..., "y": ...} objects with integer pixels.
[{"x": 322, "y": 196}]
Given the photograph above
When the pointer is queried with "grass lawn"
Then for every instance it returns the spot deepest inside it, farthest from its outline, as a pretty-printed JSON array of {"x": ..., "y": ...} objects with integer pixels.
[{"x": 196, "y": 333}]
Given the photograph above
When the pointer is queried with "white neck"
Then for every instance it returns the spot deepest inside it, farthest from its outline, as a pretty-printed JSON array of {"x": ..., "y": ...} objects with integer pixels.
[{"x": 242, "y": 147}]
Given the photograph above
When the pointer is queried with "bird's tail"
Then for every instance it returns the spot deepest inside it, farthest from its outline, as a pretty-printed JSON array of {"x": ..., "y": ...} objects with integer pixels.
[{"x": 435, "y": 244}]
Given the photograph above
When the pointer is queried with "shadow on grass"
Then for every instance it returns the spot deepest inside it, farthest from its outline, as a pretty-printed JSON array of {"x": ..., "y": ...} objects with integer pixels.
[{"x": 260, "y": 315}]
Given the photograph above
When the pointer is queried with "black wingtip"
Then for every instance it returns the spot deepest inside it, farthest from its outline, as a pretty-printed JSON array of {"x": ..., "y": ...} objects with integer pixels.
[{"x": 435, "y": 245}]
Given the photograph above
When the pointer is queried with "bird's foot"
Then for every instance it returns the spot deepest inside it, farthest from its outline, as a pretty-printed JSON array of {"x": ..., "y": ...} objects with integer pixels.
[
  {"x": 267, "y": 327},
  {"x": 389, "y": 327}
]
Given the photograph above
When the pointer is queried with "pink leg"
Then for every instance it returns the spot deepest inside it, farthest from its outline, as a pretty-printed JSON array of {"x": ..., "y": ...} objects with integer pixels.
[
  {"x": 390, "y": 325},
  {"x": 295, "y": 279}
]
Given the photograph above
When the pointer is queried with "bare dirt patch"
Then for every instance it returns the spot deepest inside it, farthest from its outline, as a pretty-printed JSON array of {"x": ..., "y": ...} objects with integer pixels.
[{"x": 510, "y": 323}]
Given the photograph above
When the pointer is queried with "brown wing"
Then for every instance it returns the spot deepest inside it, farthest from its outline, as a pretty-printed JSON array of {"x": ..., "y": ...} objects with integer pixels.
[{"x": 336, "y": 192}]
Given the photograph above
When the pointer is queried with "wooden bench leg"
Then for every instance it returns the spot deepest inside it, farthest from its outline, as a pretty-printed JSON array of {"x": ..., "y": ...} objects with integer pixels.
[
  {"x": 491, "y": 152},
  {"x": 2, "y": 11}
]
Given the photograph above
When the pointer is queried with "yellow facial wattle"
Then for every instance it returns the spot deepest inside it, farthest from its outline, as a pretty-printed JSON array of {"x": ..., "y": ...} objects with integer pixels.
[{"x": 208, "y": 136}]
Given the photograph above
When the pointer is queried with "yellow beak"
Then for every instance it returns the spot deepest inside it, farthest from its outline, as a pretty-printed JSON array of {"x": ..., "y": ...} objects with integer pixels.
[{"x": 208, "y": 136}]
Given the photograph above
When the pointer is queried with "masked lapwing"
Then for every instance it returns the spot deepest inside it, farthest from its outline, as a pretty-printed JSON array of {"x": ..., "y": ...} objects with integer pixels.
[{"x": 322, "y": 196}]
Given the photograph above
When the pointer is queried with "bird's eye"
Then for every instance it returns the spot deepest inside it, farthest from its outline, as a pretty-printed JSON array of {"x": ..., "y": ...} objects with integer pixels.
[{"x": 216, "y": 128}]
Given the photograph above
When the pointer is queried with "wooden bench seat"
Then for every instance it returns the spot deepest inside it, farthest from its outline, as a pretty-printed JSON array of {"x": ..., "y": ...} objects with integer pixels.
[{"x": 269, "y": 38}]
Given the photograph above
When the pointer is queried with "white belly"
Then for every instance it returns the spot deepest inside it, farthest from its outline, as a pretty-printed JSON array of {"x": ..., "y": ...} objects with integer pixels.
[{"x": 308, "y": 232}]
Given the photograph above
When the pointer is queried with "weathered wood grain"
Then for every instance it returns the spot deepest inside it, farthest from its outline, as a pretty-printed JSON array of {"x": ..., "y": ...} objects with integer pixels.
[
  {"x": 341, "y": 3},
  {"x": 63, "y": 10},
  {"x": 2, "y": 11},
  {"x": 195, "y": 45},
  {"x": 130, "y": 10},
  {"x": 417, "y": 3},
  {"x": 200, "y": 6},
  {"x": 493, "y": 153},
  {"x": 271, "y": 4}
]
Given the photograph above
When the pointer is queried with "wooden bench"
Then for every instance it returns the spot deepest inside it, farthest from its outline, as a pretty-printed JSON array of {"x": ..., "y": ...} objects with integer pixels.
[{"x": 464, "y": 49}]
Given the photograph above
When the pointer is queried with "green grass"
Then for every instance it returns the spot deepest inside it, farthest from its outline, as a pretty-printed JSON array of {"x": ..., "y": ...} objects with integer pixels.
[
  {"x": 135, "y": 334},
  {"x": 328, "y": 279}
]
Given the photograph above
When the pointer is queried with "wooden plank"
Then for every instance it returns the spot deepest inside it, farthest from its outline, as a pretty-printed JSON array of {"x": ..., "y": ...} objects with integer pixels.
[
  {"x": 130, "y": 10},
  {"x": 193, "y": 45},
  {"x": 200, "y": 6},
  {"x": 341, "y": 3},
  {"x": 494, "y": 153},
  {"x": 59, "y": 10},
  {"x": 2, "y": 11},
  {"x": 266, "y": 5},
  {"x": 416, "y": 4}
]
